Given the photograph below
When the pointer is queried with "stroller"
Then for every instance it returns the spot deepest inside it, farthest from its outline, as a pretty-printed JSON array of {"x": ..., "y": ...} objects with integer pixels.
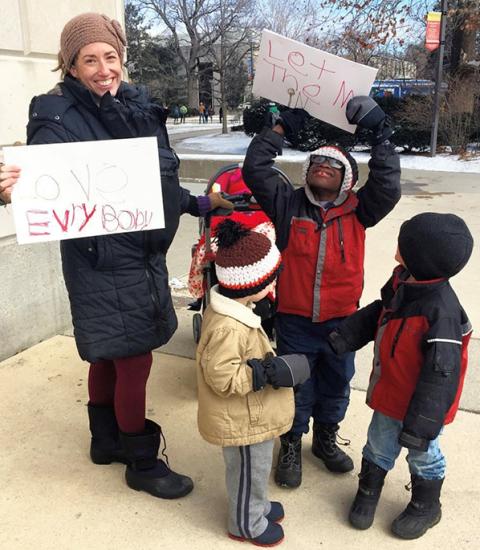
[{"x": 229, "y": 181}]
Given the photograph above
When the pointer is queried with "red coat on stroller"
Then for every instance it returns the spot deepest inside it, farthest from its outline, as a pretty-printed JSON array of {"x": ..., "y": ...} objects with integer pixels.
[{"x": 230, "y": 182}]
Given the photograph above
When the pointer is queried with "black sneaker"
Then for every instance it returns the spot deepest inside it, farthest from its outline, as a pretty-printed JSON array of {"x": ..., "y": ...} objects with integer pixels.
[
  {"x": 324, "y": 447},
  {"x": 289, "y": 465}
]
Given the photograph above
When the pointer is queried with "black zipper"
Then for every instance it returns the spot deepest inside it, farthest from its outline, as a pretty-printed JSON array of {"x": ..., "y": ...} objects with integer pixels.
[
  {"x": 397, "y": 336},
  {"x": 151, "y": 285},
  {"x": 340, "y": 238}
]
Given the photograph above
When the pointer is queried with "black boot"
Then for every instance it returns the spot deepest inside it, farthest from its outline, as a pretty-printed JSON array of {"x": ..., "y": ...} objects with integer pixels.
[
  {"x": 105, "y": 446},
  {"x": 423, "y": 511},
  {"x": 324, "y": 446},
  {"x": 370, "y": 486},
  {"x": 289, "y": 465},
  {"x": 146, "y": 472}
]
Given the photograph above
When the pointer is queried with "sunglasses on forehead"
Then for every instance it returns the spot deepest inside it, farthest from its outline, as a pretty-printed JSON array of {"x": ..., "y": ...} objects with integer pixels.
[{"x": 321, "y": 159}]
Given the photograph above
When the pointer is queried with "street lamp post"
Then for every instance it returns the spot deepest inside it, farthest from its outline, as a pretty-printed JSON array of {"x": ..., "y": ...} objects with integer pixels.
[{"x": 438, "y": 81}]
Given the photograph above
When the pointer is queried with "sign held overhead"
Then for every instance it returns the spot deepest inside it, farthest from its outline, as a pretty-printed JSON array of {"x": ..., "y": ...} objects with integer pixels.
[{"x": 299, "y": 76}]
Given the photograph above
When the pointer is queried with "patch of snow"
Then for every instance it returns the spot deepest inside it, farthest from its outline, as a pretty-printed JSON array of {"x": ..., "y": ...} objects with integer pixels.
[{"x": 232, "y": 147}]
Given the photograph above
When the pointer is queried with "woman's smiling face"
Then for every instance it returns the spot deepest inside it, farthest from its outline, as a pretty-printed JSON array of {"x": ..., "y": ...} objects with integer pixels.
[{"x": 99, "y": 68}]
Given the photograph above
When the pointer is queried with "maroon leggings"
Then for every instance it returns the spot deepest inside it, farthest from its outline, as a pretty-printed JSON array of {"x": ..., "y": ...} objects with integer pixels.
[{"x": 121, "y": 383}]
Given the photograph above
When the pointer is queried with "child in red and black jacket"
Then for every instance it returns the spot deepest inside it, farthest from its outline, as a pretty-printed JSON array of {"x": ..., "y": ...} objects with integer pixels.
[
  {"x": 320, "y": 230},
  {"x": 421, "y": 334}
]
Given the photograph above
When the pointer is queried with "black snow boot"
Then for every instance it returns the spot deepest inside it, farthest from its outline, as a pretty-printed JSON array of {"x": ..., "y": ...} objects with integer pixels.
[
  {"x": 105, "y": 446},
  {"x": 423, "y": 511},
  {"x": 289, "y": 465},
  {"x": 370, "y": 485},
  {"x": 146, "y": 472},
  {"x": 324, "y": 446}
]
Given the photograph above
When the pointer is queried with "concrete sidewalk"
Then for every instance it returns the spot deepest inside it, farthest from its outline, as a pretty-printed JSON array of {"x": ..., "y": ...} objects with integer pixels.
[{"x": 53, "y": 497}]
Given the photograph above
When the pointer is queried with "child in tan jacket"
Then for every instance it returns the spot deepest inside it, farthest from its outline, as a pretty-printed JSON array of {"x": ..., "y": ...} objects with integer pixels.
[{"x": 245, "y": 396}]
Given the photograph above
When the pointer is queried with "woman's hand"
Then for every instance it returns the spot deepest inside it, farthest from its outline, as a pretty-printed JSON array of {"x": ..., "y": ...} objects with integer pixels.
[{"x": 9, "y": 175}]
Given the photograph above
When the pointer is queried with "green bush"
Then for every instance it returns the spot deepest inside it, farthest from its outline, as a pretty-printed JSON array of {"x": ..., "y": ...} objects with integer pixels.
[{"x": 316, "y": 133}]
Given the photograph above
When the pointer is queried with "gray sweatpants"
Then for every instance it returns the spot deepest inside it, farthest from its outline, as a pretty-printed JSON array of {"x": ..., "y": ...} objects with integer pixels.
[{"x": 247, "y": 472}]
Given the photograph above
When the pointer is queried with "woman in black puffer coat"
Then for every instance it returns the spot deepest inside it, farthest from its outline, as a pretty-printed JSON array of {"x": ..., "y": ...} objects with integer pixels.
[{"x": 117, "y": 284}]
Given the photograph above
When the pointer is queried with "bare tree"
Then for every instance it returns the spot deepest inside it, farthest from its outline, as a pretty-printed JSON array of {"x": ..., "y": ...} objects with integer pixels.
[
  {"x": 227, "y": 33},
  {"x": 298, "y": 20},
  {"x": 464, "y": 16},
  {"x": 183, "y": 20},
  {"x": 373, "y": 23}
]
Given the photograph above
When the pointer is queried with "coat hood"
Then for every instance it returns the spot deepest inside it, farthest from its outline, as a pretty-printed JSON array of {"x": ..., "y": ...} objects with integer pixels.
[{"x": 339, "y": 153}]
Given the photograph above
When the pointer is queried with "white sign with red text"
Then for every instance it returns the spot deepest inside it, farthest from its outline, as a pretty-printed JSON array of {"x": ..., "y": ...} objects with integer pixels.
[
  {"x": 299, "y": 76},
  {"x": 71, "y": 190}
]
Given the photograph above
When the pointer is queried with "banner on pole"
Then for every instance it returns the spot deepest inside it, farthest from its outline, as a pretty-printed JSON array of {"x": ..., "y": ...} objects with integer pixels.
[{"x": 432, "y": 36}]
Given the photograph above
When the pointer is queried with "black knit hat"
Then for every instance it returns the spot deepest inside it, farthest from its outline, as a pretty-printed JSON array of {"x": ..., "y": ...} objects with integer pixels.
[
  {"x": 246, "y": 261},
  {"x": 435, "y": 245}
]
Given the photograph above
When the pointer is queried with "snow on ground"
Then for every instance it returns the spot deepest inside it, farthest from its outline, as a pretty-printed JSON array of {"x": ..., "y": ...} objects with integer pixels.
[
  {"x": 191, "y": 125},
  {"x": 236, "y": 143}
]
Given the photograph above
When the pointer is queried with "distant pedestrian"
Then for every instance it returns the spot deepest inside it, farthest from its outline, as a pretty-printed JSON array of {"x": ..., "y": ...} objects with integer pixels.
[
  {"x": 183, "y": 112},
  {"x": 176, "y": 114},
  {"x": 201, "y": 112},
  {"x": 245, "y": 398},
  {"x": 220, "y": 114},
  {"x": 421, "y": 334}
]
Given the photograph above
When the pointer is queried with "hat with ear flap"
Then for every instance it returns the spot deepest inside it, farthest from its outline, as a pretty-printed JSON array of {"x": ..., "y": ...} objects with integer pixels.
[
  {"x": 350, "y": 175},
  {"x": 435, "y": 245},
  {"x": 246, "y": 261},
  {"x": 88, "y": 28}
]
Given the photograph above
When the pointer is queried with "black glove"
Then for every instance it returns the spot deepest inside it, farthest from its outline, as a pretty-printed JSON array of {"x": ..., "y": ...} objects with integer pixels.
[
  {"x": 292, "y": 121},
  {"x": 338, "y": 343},
  {"x": 366, "y": 113},
  {"x": 410, "y": 441},
  {"x": 114, "y": 116},
  {"x": 284, "y": 371}
]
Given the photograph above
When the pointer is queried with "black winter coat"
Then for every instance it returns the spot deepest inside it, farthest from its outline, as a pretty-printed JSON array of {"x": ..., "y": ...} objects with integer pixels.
[
  {"x": 117, "y": 284},
  {"x": 421, "y": 335}
]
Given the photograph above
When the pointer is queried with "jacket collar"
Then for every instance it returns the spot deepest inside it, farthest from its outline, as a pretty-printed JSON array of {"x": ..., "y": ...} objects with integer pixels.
[
  {"x": 231, "y": 308},
  {"x": 75, "y": 89},
  {"x": 341, "y": 197},
  {"x": 412, "y": 290}
]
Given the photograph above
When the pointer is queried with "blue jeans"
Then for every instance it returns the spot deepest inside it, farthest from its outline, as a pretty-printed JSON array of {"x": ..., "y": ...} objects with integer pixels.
[
  {"x": 326, "y": 394},
  {"x": 382, "y": 449}
]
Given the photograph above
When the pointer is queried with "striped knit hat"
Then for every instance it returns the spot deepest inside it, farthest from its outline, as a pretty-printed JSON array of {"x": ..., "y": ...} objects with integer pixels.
[
  {"x": 350, "y": 176},
  {"x": 246, "y": 261},
  {"x": 88, "y": 28}
]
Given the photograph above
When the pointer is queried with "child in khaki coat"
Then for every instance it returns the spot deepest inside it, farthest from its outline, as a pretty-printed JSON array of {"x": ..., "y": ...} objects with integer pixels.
[{"x": 245, "y": 398}]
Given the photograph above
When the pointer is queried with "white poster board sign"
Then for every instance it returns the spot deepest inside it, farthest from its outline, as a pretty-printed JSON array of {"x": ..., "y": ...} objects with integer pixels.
[
  {"x": 300, "y": 76},
  {"x": 71, "y": 190}
]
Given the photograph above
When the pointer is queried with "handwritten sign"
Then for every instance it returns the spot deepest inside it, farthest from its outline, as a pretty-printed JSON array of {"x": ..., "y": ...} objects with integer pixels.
[
  {"x": 300, "y": 76},
  {"x": 71, "y": 190}
]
